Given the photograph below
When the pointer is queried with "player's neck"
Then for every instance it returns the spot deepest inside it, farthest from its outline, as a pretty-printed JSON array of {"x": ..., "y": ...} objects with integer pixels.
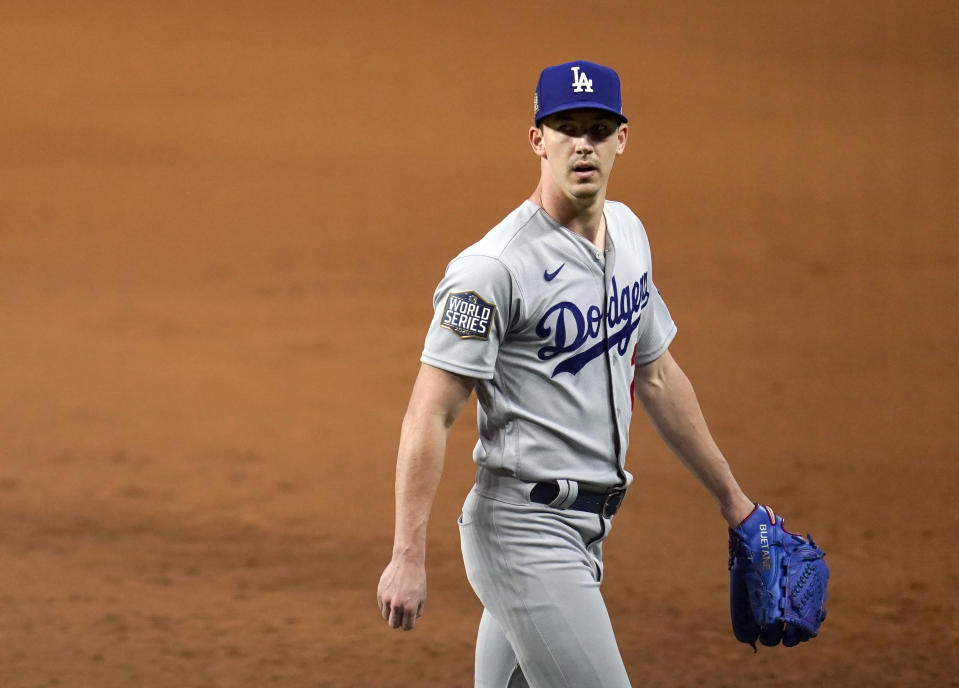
[{"x": 582, "y": 216}]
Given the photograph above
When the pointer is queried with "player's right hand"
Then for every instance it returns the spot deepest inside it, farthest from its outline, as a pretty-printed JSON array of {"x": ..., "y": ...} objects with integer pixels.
[{"x": 401, "y": 593}]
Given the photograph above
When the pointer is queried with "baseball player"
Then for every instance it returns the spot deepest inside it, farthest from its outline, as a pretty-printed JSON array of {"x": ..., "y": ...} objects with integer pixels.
[{"x": 554, "y": 319}]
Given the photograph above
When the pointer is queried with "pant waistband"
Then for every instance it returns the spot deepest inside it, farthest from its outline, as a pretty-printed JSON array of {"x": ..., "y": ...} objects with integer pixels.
[{"x": 559, "y": 494}]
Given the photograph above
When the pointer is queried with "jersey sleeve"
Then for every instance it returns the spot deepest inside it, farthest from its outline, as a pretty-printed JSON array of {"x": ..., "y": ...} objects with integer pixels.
[
  {"x": 471, "y": 313},
  {"x": 658, "y": 330}
]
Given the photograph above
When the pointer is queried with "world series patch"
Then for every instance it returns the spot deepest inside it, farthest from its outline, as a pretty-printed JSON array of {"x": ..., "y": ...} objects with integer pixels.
[{"x": 468, "y": 315}]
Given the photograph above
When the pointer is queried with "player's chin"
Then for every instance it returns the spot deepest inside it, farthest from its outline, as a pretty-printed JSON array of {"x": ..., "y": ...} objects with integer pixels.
[
  {"x": 585, "y": 191},
  {"x": 590, "y": 182}
]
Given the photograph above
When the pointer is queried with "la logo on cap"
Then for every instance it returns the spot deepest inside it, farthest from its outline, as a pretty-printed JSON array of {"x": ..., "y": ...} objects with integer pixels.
[{"x": 580, "y": 82}]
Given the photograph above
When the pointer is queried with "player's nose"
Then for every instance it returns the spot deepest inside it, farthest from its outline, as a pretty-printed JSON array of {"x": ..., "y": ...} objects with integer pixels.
[{"x": 583, "y": 144}]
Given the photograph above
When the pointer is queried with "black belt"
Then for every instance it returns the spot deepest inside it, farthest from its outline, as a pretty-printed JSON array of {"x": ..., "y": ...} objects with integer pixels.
[{"x": 605, "y": 503}]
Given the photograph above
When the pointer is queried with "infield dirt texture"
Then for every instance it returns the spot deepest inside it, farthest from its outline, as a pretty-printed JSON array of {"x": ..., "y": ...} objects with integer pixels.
[{"x": 221, "y": 224}]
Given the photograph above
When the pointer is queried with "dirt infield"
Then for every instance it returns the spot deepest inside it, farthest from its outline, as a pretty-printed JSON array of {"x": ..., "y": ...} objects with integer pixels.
[{"x": 220, "y": 227}]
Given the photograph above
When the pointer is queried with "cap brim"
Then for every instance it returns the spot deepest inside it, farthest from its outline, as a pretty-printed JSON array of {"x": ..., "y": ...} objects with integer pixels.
[{"x": 580, "y": 105}]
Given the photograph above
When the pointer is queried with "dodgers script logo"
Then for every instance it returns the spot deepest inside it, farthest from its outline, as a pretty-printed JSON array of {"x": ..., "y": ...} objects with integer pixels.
[
  {"x": 468, "y": 315},
  {"x": 573, "y": 330}
]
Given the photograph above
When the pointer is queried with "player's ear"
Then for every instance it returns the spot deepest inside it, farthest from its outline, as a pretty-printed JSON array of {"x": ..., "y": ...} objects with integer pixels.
[
  {"x": 621, "y": 135},
  {"x": 536, "y": 141}
]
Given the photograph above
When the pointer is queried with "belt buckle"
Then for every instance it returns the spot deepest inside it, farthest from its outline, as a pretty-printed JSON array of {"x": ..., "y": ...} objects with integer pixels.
[{"x": 613, "y": 499}]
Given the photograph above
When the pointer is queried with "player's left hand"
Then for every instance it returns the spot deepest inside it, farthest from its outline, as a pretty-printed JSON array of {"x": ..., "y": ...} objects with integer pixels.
[{"x": 401, "y": 593}]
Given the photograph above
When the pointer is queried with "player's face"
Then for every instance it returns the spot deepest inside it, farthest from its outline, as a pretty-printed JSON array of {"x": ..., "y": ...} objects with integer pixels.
[{"x": 580, "y": 146}]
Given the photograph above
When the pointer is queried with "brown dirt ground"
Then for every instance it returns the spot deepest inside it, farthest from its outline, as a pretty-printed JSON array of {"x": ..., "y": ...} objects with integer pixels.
[{"x": 221, "y": 226}]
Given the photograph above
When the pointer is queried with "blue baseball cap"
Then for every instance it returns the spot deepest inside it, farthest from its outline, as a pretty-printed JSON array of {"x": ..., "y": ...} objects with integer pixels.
[{"x": 578, "y": 84}]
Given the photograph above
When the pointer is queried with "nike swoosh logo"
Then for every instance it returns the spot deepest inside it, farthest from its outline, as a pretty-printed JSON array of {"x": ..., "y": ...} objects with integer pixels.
[{"x": 549, "y": 276}]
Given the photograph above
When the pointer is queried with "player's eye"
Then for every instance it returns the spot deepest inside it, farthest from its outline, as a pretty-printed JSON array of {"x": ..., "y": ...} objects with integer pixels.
[{"x": 600, "y": 131}]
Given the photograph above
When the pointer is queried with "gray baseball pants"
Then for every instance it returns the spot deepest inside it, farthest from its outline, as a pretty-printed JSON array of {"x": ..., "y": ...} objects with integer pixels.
[{"x": 537, "y": 571}]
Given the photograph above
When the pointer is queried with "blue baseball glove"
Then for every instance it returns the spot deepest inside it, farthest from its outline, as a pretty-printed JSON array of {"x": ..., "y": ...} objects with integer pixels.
[{"x": 777, "y": 582}]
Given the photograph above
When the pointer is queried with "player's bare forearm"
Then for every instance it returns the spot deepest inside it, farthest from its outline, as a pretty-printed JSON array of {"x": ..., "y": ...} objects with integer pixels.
[
  {"x": 436, "y": 401},
  {"x": 419, "y": 466},
  {"x": 671, "y": 404}
]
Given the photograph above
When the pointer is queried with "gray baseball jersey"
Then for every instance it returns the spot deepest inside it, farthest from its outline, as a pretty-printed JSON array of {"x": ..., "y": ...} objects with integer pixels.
[{"x": 551, "y": 327}]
